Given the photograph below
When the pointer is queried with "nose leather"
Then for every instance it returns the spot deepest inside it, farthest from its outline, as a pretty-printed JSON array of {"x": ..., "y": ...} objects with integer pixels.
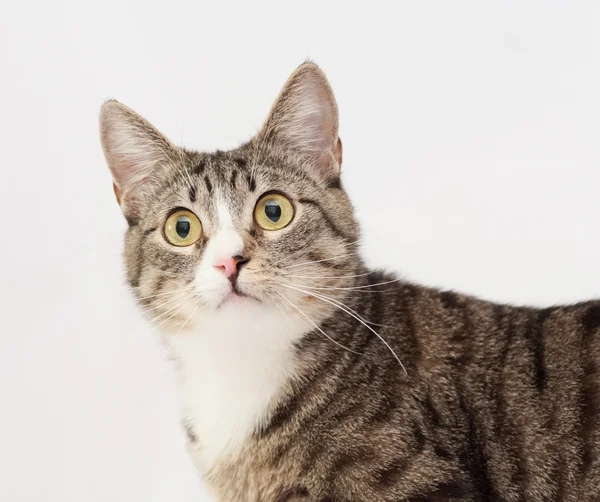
[{"x": 229, "y": 266}]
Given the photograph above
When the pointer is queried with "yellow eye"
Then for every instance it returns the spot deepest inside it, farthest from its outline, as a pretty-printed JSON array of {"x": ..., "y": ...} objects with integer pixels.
[
  {"x": 183, "y": 228},
  {"x": 273, "y": 212}
]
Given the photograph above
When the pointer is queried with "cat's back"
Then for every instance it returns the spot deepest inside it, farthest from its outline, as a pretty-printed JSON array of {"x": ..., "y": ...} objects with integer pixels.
[{"x": 524, "y": 387}]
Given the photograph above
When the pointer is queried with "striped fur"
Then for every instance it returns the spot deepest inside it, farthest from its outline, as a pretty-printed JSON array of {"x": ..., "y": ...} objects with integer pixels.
[{"x": 487, "y": 402}]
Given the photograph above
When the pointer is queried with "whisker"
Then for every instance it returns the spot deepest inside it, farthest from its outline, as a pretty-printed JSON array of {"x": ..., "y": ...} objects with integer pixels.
[
  {"x": 329, "y": 276},
  {"x": 318, "y": 328},
  {"x": 172, "y": 275},
  {"x": 353, "y": 288},
  {"x": 166, "y": 312},
  {"x": 276, "y": 301},
  {"x": 306, "y": 248},
  {"x": 348, "y": 244},
  {"x": 176, "y": 275},
  {"x": 324, "y": 259},
  {"x": 191, "y": 183},
  {"x": 348, "y": 291},
  {"x": 320, "y": 297},
  {"x": 297, "y": 255},
  {"x": 355, "y": 312},
  {"x": 166, "y": 293},
  {"x": 180, "y": 329},
  {"x": 143, "y": 312},
  {"x": 181, "y": 307},
  {"x": 184, "y": 170},
  {"x": 294, "y": 312}
]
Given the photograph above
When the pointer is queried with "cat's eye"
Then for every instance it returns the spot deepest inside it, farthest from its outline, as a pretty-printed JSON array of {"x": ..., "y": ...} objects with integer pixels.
[
  {"x": 183, "y": 228},
  {"x": 273, "y": 212}
]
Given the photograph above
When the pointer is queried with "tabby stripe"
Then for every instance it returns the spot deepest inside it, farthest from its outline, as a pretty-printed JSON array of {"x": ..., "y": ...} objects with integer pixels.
[
  {"x": 449, "y": 299},
  {"x": 313, "y": 257},
  {"x": 538, "y": 344},
  {"x": 251, "y": 182},
  {"x": 292, "y": 494},
  {"x": 159, "y": 284},
  {"x": 233, "y": 178},
  {"x": 199, "y": 168},
  {"x": 208, "y": 185},
  {"x": 192, "y": 193},
  {"x": 340, "y": 366},
  {"x": 335, "y": 183},
  {"x": 431, "y": 411},
  {"x": 190, "y": 433},
  {"x": 354, "y": 364},
  {"x": 508, "y": 335},
  {"x": 240, "y": 162},
  {"x": 328, "y": 220},
  {"x": 503, "y": 424},
  {"x": 385, "y": 406},
  {"x": 374, "y": 314},
  {"x": 135, "y": 280},
  {"x": 408, "y": 297},
  {"x": 442, "y": 452},
  {"x": 290, "y": 407},
  {"x": 440, "y": 493},
  {"x": 590, "y": 411},
  {"x": 590, "y": 402},
  {"x": 474, "y": 457},
  {"x": 131, "y": 222},
  {"x": 394, "y": 472}
]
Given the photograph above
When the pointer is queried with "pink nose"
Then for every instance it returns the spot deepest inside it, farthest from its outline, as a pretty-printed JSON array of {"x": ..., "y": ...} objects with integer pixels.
[{"x": 228, "y": 265}]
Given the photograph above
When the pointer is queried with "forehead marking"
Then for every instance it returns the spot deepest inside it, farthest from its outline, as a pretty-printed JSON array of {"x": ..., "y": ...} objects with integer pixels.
[
  {"x": 208, "y": 185},
  {"x": 225, "y": 221},
  {"x": 227, "y": 241}
]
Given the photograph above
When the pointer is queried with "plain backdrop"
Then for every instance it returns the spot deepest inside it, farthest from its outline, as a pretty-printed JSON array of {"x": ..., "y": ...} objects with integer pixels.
[{"x": 471, "y": 134}]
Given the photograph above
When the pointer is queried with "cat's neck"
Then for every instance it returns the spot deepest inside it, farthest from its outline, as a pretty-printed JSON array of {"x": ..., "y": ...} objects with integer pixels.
[{"x": 231, "y": 368}]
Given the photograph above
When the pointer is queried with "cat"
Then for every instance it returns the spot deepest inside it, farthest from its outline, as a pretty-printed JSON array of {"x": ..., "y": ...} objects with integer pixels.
[{"x": 306, "y": 376}]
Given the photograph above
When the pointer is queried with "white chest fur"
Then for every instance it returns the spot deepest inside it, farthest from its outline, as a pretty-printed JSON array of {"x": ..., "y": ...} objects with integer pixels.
[{"x": 231, "y": 366}]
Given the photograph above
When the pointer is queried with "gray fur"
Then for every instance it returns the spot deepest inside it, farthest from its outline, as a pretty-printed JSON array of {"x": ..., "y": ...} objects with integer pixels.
[{"x": 494, "y": 402}]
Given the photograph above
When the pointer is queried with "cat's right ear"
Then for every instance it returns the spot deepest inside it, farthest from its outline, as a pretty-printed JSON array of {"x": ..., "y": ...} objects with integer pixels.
[
  {"x": 134, "y": 150},
  {"x": 304, "y": 120}
]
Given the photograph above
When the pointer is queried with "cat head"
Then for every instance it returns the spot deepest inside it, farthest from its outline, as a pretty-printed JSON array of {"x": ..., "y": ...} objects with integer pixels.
[{"x": 266, "y": 224}]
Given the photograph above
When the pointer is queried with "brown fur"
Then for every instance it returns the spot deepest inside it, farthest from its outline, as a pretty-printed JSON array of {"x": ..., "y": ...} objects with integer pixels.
[
  {"x": 498, "y": 403},
  {"x": 492, "y": 403}
]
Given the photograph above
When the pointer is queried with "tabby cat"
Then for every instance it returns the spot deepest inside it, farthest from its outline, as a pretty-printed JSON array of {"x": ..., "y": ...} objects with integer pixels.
[{"x": 306, "y": 376}]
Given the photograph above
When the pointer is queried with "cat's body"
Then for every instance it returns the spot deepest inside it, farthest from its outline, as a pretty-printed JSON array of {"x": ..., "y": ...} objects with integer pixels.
[
  {"x": 305, "y": 376},
  {"x": 498, "y": 403}
]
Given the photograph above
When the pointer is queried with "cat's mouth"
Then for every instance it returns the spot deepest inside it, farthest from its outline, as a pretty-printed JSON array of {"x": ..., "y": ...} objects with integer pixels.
[
  {"x": 236, "y": 296},
  {"x": 233, "y": 297},
  {"x": 235, "y": 290}
]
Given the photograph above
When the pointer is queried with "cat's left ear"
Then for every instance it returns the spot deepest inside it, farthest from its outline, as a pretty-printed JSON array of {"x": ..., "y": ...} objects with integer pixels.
[
  {"x": 304, "y": 120},
  {"x": 136, "y": 153}
]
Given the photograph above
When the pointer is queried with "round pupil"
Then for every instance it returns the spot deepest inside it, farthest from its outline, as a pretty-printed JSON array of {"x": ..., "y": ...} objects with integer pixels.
[
  {"x": 273, "y": 210},
  {"x": 182, "y": 227}
]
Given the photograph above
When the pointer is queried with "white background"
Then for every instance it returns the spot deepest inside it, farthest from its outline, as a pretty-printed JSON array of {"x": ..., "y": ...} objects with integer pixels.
[{"x": 471, "y": 134}]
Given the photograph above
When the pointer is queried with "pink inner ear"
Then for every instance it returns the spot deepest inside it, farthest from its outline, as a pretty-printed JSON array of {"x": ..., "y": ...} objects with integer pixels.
[
  {"x": 117, "y": 191},
  {"x": 127, "y": 185},
  {"x": 337, "y": 152},
  {"x": 322, "y": 140},
  {"x": 123, "y": 170},
  {"x": 315, "y": 111},
  {"x": 304, "y": 119}
]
